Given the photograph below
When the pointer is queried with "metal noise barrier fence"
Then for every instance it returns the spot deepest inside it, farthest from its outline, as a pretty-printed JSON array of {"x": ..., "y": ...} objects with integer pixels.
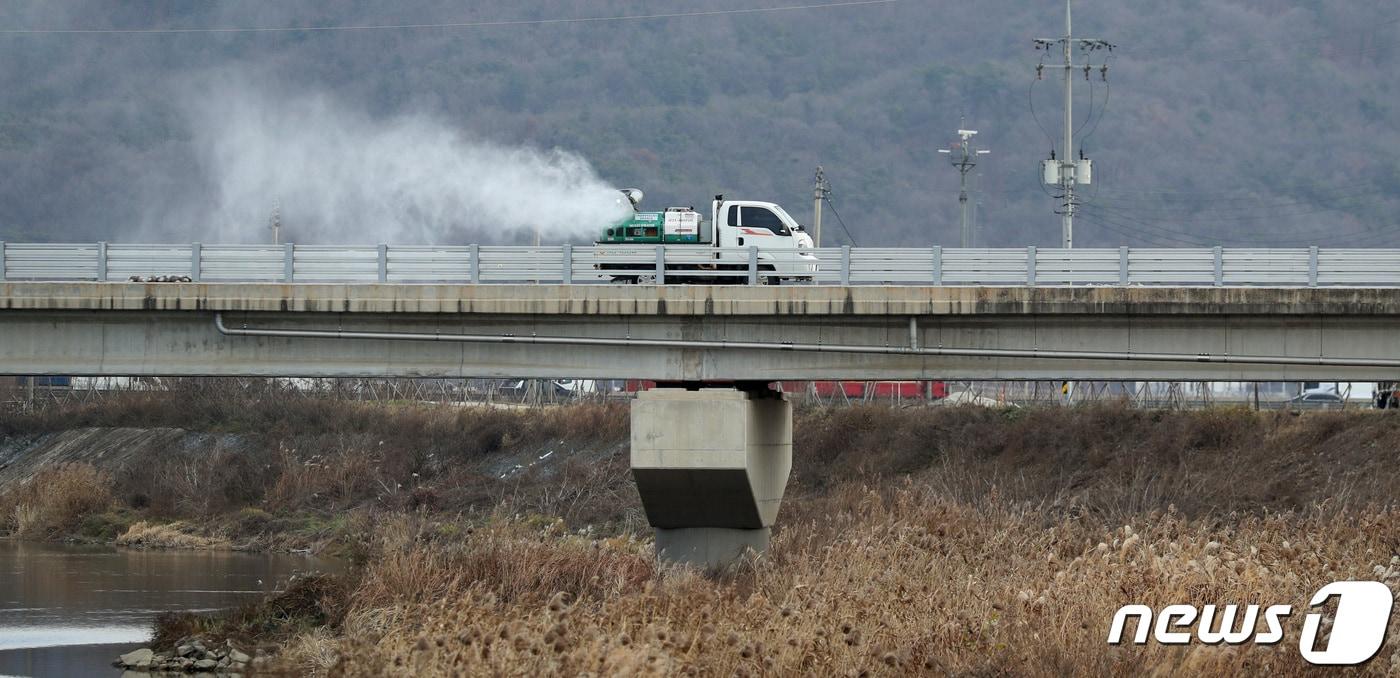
[{"x": 568, "y": 264}]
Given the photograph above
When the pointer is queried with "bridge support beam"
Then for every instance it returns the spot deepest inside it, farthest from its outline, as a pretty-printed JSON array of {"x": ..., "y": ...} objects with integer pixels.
[{"x": 711, "y": 466}]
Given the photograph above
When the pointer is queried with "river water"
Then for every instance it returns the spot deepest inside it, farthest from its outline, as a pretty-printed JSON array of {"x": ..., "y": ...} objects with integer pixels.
[{"x": 70, "y": 610}]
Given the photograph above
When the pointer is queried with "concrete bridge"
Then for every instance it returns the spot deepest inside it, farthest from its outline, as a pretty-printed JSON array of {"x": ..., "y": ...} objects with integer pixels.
[
  {"x": 710, "y": 461},
  {"x": 700, "y": 333}
]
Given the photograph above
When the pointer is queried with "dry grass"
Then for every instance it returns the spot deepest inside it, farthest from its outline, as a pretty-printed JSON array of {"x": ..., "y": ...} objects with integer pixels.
[
  {"x": 296, "y": 456},
  {"x": 311, "y": 653},
  {"x": 310, "y": 607},
  {"x": 957, "y": 541},
  {"x": 55, "y": 500},
  {"x": 1111, "y": 461},
  {"x": 167, "y": 536},
  {"x": 273, "y": 408},
  {"x": 301, "y": 460},
  {"x": 904, "y": 581},
  {"x": 915, "y": 541}
]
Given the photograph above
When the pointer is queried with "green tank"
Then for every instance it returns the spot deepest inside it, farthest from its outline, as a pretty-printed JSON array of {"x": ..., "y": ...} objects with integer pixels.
[{"x": 676, "y": 225}]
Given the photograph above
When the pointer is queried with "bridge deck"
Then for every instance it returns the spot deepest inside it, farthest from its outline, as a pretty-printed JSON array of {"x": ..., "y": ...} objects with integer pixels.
[
  {"x": 700, "y": 333},
  {"x": 695, "y": 300}
]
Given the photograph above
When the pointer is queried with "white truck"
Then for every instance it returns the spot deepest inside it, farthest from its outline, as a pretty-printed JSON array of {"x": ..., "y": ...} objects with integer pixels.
[{"x": 721, "y": 250}]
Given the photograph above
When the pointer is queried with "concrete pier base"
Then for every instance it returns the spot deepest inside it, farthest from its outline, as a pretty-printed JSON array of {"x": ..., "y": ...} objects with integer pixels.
[
  {"x": 711, "y": 466},
  {"x": 709, "y": 548}
]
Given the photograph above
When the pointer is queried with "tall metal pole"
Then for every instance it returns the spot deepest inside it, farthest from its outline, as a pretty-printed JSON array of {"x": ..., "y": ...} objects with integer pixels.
[
  {"x": 1071, "y": 168},
  {"x": 1067, "y": 179},
  {"x": 966, "y": 234},
  {"x": 964, "y": 158},
  {"x": 819, "y": 193}
]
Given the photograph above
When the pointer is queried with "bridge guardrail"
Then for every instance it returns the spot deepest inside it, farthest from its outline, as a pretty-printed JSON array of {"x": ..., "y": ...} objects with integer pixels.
[{"x": 570, "y": 264}]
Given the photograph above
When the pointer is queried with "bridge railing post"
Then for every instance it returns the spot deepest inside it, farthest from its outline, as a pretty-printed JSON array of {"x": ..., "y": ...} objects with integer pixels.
[
  {"x": 845, "y": 265},
  {"x": 1219, "y": 254},
  {"x": 1030, "y": 266},
  {"x": 289, "y": 260},
  {"x": 567, "y": 274},
  {"x": 101, "y": 262},
  {"x": 2, "y": 259},
  {"x": 383, "y": 263},
  {"x": 1312, "y": 266},
  {"x": 474, "y": 264},
  {"x": 661, "y": 264},
  {"x": 938, "y": 265},
  {"x": 753, "y": 265},
  {"x": 196, "y": 261},
  {"x": 1123, "y": 277}
]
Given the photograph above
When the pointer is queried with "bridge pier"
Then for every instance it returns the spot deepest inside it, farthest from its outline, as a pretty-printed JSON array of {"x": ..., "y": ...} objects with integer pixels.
[{"x": 711, "y": 466}]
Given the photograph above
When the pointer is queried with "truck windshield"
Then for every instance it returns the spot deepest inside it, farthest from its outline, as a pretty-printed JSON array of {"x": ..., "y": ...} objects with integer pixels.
[{"x": 762, "y": 217}]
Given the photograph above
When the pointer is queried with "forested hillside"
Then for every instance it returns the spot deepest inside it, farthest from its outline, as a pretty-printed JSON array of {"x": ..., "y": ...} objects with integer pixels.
[{"x": 1235, "y": 122}]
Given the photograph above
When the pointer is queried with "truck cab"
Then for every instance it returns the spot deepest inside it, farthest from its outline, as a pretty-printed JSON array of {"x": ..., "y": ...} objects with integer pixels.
[{"x": 767, "y": 226}]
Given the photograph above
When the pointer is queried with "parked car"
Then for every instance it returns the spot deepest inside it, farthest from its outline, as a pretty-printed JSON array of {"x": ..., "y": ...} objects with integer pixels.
[{"x": 1317, "y": 400}]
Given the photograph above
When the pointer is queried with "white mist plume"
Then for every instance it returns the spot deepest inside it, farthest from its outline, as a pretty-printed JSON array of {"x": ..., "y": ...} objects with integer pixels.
[{"x": 341, "y": 177}]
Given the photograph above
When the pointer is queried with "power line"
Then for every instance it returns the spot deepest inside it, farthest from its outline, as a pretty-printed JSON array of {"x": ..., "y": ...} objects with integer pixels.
[
  {"x": 1187, "y": 207},
  {"x": 1275, "y": 238},
  {"x": 1031, "y": 98},
  {"x": 1244, "y": 203},
  {"x": 457, "y": 25},
  {"x": 1158, "y": 236},
  {"x": 1103, "y": 110},
  {"x": 1156, "y": 233},
  {"x": 1122, "y": 195},
  {"x": 1313, "y": 53},
  {"x": 1089, "y": 117},
  {"x": 1222, "y": 214},
  {"x": 1127, "y": 231},
  {"x": 841, "y": 221},
  {"x": 1237, "y": 213}
]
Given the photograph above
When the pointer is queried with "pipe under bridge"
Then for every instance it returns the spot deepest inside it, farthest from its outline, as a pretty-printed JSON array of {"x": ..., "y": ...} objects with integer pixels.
[
  {"x": 711, "y": 462},
  {"x": 700, "y": 333}
]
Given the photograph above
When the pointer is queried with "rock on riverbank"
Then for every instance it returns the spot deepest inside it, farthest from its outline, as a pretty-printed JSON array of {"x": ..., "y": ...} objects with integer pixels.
[{"x": 190, "y": 656}]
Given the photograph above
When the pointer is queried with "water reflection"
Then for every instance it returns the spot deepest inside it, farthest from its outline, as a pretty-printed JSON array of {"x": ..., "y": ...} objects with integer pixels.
[{"x": 58, "y": 596}]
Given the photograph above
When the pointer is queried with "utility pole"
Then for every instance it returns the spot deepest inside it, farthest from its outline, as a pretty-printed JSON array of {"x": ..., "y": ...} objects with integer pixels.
[
  {"x": 964, "y": 157},
  {"x": 819, "y": 193},
  {"x": 1068, "y": 171}
]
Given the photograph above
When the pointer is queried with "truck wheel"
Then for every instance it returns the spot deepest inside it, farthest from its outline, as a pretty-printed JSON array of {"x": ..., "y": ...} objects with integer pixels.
[
  {"x": 772, "y": 280},
  {"x": 645, "y": 280}
]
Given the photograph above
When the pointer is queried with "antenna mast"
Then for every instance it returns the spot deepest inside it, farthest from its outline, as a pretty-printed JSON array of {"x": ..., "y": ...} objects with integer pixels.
[{"x": 964, "y": 158}]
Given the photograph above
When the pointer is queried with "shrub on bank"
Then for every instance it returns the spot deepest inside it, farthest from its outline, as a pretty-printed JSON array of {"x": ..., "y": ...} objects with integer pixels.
[
  {"x": 55, "y": 500},
  {"x": 166, "y": 536}
]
